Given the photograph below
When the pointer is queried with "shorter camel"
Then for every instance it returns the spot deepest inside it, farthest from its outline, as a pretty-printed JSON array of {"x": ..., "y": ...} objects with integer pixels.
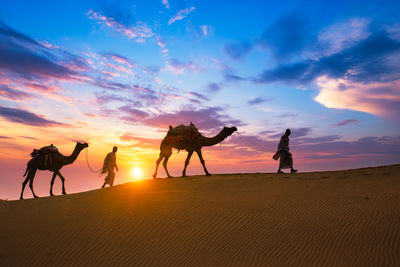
[{"x": 54, "y": 163}]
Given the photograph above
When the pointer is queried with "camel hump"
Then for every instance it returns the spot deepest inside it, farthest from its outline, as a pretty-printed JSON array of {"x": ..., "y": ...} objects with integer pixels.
[
  {"x": 182, "y": 129},
  {"x": 44, "y": 150}
]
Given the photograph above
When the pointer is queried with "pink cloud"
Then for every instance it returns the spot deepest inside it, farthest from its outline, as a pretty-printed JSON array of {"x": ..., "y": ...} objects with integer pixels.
[
  {"x": 178, "y": 67},
  {"x": 181, "y": 15},
  {"x": 206, "y": 30},
  {"x": 120, "y": 59},
  {"x": 165, "y": 3},
  {"x": 11, "y": 93},
  {"x": 140, "y": 31},
  {"x": 377, "y": 98}
]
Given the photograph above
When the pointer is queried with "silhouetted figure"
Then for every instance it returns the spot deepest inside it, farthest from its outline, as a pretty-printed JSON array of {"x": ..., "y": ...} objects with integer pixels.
[
  {"x": 286, "y": 159},
  {"x": 110, "y": 162},
  {"x": 48, "y": 158},
  {"x": 190, "y": 141}
]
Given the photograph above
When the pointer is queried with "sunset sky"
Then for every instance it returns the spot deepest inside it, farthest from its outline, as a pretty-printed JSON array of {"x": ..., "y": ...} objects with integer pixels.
[{"x": 118, "y": 73}]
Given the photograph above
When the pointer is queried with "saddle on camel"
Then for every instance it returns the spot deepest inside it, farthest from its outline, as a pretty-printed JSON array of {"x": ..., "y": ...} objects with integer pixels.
[
  {"x": 182, "y": 133},
  {"x": 48, "y": 152}
]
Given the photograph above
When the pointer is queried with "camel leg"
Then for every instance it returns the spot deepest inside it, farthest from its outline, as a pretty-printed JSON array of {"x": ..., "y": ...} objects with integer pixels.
[
  {"x": 52, "y": 183},
  {"x": 31, "y": 176},
  {"x": 23, "y": 186},
  {"x": 202, "y": 162},
  {"x": 165, "y": 162},
  {"x": 189, "y": 155},
  {"x": 62, "y": 181},
  {"x": 158, "y": 163}
]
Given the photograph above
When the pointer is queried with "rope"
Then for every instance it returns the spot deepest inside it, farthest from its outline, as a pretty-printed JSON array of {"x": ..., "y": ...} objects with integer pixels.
[
  {"x": 253, "y": 145},
  {"x": 87, "y": 162}
]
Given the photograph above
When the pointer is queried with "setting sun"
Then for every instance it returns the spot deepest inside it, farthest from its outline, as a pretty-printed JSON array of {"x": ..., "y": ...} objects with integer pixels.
[{"x": 137, "y": 173}]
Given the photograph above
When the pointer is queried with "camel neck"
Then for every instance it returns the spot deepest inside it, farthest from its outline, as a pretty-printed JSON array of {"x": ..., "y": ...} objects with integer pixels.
[
  {"x": 210, "y": 141},
  {"x": 71, "y": 158}
]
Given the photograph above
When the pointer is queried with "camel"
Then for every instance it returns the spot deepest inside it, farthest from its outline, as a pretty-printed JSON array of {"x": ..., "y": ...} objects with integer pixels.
[
  {"x": 57, "y": 162},
  {"x": 190, "y": 144}
]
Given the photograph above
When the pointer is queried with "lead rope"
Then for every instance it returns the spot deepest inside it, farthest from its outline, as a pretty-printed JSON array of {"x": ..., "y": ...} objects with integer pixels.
[
  {"x": 253, "y": 145},
  {"x": 87, "y": 162}
]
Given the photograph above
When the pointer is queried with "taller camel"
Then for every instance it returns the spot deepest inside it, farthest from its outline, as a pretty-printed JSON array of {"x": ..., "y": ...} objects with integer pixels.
[
  {"x": 42, "y": 162},
  {"x": 191, "y": 144}
]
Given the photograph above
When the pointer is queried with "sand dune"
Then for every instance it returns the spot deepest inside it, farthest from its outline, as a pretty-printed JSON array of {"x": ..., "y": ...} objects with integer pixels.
[{"x": 324, "y": 219}]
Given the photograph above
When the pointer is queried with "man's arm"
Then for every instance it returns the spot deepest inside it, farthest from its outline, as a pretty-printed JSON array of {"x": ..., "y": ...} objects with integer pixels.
[{"x": 115, "y": 163}]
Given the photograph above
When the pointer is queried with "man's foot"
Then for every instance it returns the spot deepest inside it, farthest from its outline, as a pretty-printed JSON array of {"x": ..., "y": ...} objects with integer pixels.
[
  {"x": 279, "y": 171},
  {"x": 293, "y": 171}
]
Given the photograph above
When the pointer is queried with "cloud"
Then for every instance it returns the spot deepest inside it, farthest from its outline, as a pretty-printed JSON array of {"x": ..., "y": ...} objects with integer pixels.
[
  {"x": 133, "y": 114},
  {"x": 209, "y": 118},
  {"x": 27, "y": 66},
  {"x": 120, "y": 59},
  {"x": 295, "y": 132},
  {"x": 258, "y": 100},
  {"x": 29, "y": 137},
  {"x": 213, "y": 87},
  {"x": 116, "y": 86},
  {"x": 200, "y": 96},
  {"x": 288, "y": 36},
  {"x": 364, "y": 76},
  {"x": 382, "y": 99},
  {"x": 7, "y": 31},
  {"x": 139, "y": 31},
  {"x": 313, "y": 140},
  {"x": 13, "y": 94},
  {"x": 366, "y": 147},
  {"x": 104, "y": 99},
  {"x": 140, "y": 141},
  {"x": 266, "y": 132},
  {"x": 337, "y": 37},
  {"x": 367, "y": 61},
  {"x": 181, "y": 14},
  {"x": 29, "y": 61},
  {"x": 165, "y": 3},
  {"x": 238, "y": 50},
  {"x": 26, "y": 117},
  {"x": 230, "y": 76},
  {"x": 300, "y": 132},
  {"x": 288, "y": 115},
  {"x": 206, "y": 30},
  {"x": 178, "y": 67},
  {"x": 346, "y": 122}
]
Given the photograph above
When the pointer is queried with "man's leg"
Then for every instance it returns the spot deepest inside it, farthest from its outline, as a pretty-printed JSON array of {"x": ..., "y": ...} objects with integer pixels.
[
  {"x": 291, "y": 164},
  {"x": 280, "y": 161},
  {"x": 106, "y": 180},
  {"x": 112, "y": 177}
]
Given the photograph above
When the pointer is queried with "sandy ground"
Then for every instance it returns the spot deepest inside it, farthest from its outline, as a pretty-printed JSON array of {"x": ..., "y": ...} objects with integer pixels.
[{"x": 341, "y": 218}]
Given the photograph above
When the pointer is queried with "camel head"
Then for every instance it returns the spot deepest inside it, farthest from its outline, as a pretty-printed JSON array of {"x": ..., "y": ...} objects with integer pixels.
[
  {"x": 81, "y": 146},
  {"x": 227, "y": 131}
]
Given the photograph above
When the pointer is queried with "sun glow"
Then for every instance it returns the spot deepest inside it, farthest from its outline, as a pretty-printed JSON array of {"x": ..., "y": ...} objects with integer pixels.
[{"x": 137, "y": 173}]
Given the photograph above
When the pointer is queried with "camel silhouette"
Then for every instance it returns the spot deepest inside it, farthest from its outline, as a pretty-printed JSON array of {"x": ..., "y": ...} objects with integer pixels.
[
  {"x": 57, "y": 162},
  {"x": 191, "y": 144}
]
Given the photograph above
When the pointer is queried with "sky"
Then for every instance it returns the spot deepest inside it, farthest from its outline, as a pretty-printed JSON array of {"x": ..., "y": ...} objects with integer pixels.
[{"x": 119, "y": 73}]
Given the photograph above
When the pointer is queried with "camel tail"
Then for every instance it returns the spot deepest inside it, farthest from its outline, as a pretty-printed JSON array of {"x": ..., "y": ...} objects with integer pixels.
[{"x": 25, "y": 172}]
